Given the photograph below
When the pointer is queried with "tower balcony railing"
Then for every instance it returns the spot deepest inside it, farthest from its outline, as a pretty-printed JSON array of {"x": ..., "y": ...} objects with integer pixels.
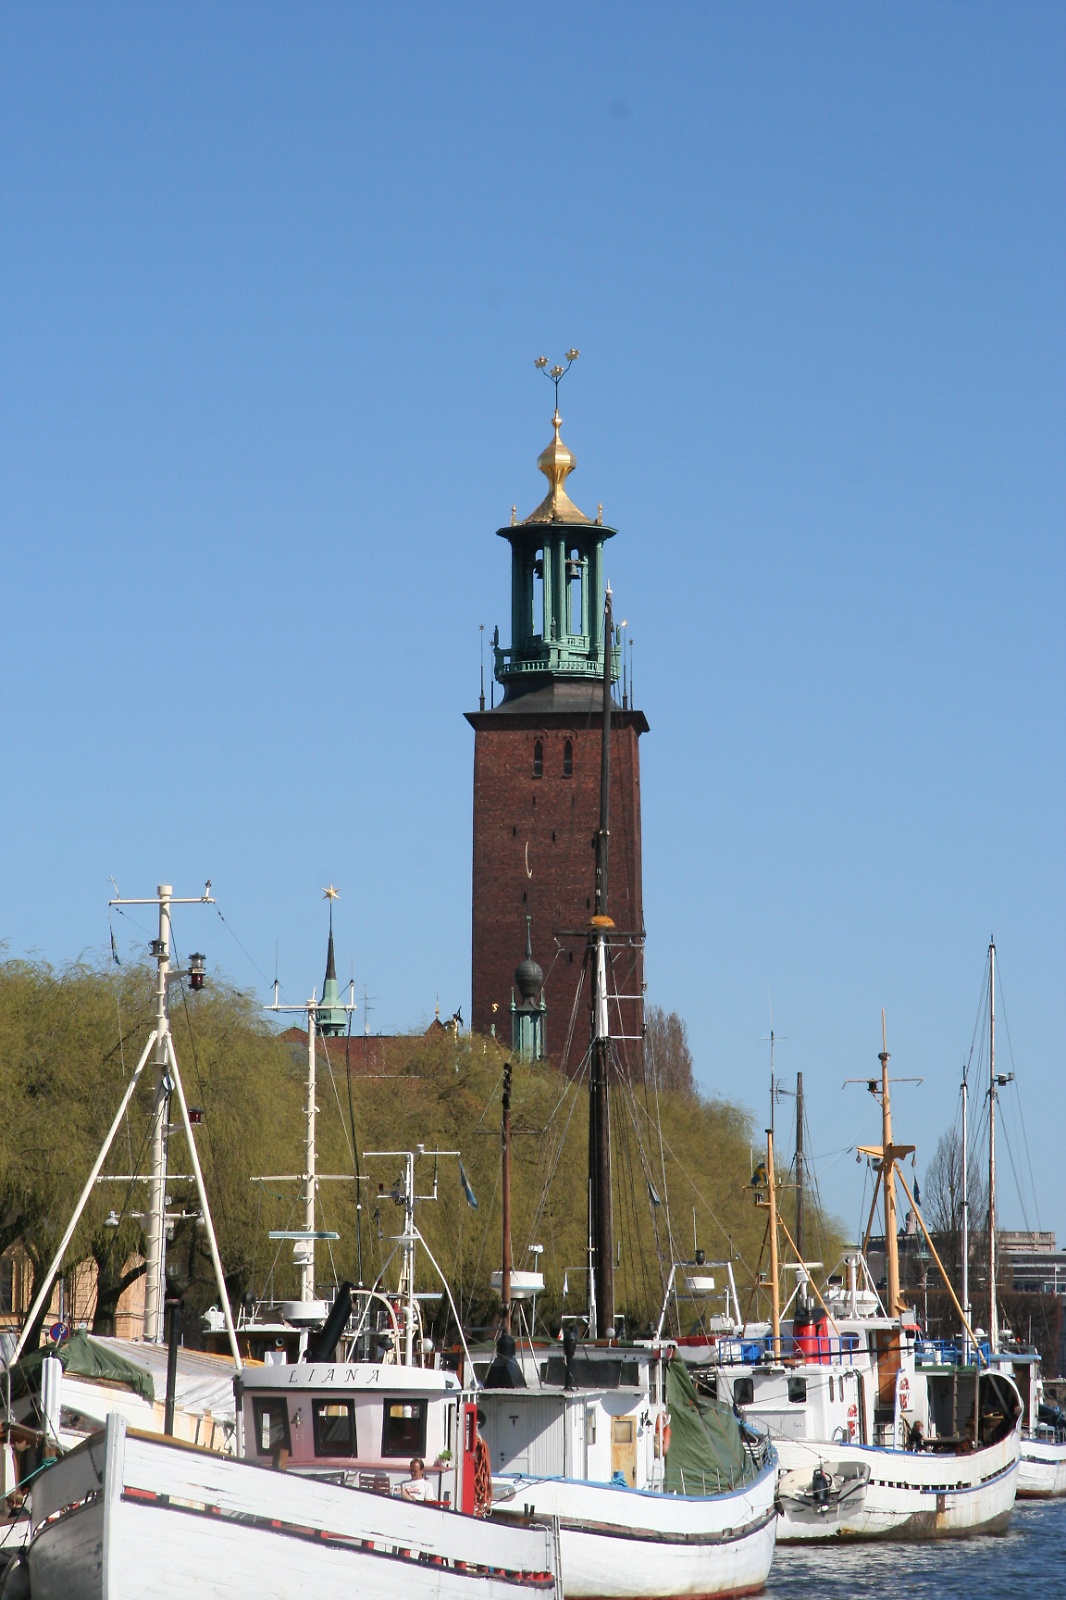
[{"x": 571, "y": 657}]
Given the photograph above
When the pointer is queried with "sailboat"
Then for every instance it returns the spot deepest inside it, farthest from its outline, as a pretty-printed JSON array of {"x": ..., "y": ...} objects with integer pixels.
[
  {"x": 323, "y": 1494},
  {"x": 1042, "y": 1463},
  {"x": 656, "y": 1491},
  {"x": 880, "y": 1432}
]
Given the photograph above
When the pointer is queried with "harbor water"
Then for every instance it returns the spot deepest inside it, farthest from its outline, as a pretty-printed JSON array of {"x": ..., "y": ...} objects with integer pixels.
[{"x": 1027, "y": 1563}]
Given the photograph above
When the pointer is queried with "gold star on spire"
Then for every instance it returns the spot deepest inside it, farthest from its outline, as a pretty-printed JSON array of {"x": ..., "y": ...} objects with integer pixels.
[{"x": 331, "y": 893}]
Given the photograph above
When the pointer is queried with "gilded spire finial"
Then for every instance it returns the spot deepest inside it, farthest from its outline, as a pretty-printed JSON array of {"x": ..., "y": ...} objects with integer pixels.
[{"x": 557, "y": 462}]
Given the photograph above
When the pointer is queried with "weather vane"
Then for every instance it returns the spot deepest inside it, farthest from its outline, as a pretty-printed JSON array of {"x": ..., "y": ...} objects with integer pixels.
[
  {"x": 555, "y": 373},
  {"x": 331, "y": 894}
]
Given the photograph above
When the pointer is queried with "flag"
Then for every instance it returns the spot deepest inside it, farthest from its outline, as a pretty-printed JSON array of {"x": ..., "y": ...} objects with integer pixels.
[
  {"x": 471, "y": 1197},
  {"x": 114, "y": 952},
  {"x": 654, "y": 1197}
]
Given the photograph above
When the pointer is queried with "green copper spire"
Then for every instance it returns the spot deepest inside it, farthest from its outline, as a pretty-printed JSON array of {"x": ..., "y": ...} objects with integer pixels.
[
  {"x": 331, "y": 1016},
  {"x": 557, "y": 588},
  {"x": 529, "y": 1012}
]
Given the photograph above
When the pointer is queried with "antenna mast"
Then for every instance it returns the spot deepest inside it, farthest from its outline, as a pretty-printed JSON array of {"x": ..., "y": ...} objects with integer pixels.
[{"x": 304, "y": 1244}]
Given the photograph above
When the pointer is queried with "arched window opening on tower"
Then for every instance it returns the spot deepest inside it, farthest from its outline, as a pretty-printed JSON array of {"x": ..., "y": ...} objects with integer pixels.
[
  {"x": 568, "y": 758},
  {"x": 575, "y": 611},
  {"x": 540, "y": 615},
  {"x": 538, "y": 759}
]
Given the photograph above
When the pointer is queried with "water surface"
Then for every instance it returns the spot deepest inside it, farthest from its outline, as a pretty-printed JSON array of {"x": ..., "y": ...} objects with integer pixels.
[{"x": 1028, "y": 1563}]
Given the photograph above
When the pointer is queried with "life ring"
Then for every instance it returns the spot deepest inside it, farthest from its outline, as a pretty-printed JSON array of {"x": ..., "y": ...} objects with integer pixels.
[
  {"x": 853, "y": 1421},
  {"x": 904, "y": 1394},
  {"x": 482, "y": 1478},
  {"x": 662, "y": 1434}
]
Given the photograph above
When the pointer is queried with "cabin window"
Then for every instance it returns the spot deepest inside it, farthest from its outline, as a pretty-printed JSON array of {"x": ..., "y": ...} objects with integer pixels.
[
  {"x": 334, "y": 1427},
  {"x": 797, "y": 1391},
  {"x": 7, "y": 1284},
  {"x": 538, "y": 759},
  {"x": 404, "y": 1430},
  {"x": 271, "y": 1426},
  {"x": 743, "y": 1391},
  {"x": 568, "y": 758},
  {"x": 832, "y": 1392},
  {"x": 590, "y": 1424}
]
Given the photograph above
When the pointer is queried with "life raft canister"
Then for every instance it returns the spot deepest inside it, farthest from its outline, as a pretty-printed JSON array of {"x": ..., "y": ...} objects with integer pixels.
[
  {"x": 662, "y": 1434},
  {"x": 820, "y": 1335},
  {"x": 803, "y": 1333}
]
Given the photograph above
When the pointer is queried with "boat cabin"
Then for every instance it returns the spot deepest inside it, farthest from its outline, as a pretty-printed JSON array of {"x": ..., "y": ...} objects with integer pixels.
[
  {"x": 592, "y": 1412},
  {"x": 360, "y": 1423}
]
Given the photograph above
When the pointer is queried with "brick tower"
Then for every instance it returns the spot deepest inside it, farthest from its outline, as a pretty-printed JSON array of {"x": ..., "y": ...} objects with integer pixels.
[{"x": 537, "y": 790}]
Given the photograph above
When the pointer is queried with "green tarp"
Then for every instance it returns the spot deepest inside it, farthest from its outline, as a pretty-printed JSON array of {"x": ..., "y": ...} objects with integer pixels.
[
  {"x": 706, "y": 1451},
  {"x": 82, "y": 1357}
]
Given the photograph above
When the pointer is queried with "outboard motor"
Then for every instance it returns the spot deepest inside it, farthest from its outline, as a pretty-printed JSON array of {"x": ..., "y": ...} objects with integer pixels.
[
  {"x": 324, "y": 1347},
  {"x": 821, "y": 1484},
  {"x": 505, "y": 1373}
]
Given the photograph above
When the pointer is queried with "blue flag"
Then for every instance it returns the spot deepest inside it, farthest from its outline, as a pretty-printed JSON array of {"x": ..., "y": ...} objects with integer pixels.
[{"x": 471, "y": 1197}]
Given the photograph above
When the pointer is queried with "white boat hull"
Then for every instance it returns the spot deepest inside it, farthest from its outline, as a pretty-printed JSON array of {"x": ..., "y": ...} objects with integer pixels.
[
  {"x": 129, "y": 1517},
  {"x": 621, "y": 1544},
  {"x": 1042, "y": 1470},
  {"x": 912, "y": 1495}
]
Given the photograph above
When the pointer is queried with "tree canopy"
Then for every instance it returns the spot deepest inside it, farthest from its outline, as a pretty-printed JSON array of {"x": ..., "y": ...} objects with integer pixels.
[{"x": 69, "y": 1040}]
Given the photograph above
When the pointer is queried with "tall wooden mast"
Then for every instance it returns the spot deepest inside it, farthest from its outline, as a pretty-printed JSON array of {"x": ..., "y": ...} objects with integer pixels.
[{"x": 601, "y": 1233}]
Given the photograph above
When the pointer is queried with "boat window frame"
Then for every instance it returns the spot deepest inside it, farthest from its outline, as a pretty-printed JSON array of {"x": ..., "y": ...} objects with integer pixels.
[
  {"x": 322, "y": 1446},
  {"x": 416, "y": 1447},
  {"x": 740, "y": 1384},
  {"x": 261, "y": 1405},
  {"x": 797, "y": 1390}
]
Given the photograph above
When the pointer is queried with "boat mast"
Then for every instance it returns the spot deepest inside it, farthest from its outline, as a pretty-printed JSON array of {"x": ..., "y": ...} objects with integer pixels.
[
  {"x": 888, "y": 1168},
  {"x": 505, "y": 1277},
  {"x": 799, "y": 1167},
  {"x": 775, "y": 1271},
  {"x": 600, "y": 1229},
  {"x": 304, "y": 1245},
  {"x": 965, "y": 1197},
  {"x": 993, "y": 1307}
]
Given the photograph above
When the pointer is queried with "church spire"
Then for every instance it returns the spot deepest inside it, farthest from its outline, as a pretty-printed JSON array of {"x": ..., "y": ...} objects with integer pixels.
[{"x": 332, "y": 1020}]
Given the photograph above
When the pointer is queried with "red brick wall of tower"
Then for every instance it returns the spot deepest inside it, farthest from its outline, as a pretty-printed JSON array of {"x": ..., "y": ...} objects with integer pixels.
[{"x": 534, "y": 853}]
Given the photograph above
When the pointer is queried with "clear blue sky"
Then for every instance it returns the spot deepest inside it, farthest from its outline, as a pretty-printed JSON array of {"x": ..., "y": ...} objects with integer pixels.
[{"x": 273, "y": 279}]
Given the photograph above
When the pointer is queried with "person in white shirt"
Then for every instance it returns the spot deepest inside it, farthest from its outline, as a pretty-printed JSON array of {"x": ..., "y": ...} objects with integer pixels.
[{"x": 416, "y": 1487}]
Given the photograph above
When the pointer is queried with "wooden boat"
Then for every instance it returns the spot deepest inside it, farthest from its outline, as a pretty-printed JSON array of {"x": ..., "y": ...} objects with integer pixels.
[
  {"x": 854, "y": 1391},
  {"x": 133, "y": 1516},
  {"x": 656, "y": 1493}
]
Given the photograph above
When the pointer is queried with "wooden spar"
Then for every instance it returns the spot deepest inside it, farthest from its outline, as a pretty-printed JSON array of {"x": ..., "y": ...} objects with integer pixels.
[
  {"x": 940, "y": 1264},
  {"x": 601, "y": 1232},
  {"x": 873, "y": 1212},
  {"x": 888, "y": 1155}
]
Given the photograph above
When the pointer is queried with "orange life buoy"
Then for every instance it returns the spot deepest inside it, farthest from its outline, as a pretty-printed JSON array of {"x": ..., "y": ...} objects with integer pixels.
[
  {"x": 482, "y": 1478},
  {"x": 662, "y": 1434},
  {"x": 853, "y": 1421},
  {"x": 904, "y": 1394}
]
